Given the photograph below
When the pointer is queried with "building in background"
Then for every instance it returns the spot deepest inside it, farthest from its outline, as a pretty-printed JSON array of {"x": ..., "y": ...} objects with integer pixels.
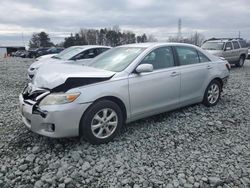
[{"x": 7, "y": 50}]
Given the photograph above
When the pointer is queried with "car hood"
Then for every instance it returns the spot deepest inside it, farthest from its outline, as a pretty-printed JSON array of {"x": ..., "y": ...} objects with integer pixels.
[
  {"x": 40, "y": 62},
  {"x": 47, "y": 61},
  {"x": 53, "y": 75},
  {"x": 215, "y": 52}
]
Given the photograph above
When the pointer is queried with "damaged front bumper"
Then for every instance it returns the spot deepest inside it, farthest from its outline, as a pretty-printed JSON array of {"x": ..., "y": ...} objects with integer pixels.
[{"x": 52, "y": 120}]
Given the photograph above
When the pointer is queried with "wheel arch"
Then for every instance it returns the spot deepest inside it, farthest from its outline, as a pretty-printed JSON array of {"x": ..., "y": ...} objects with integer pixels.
[
  {"x": 114, "y": 99},
  {"x": 219, "y": 80},
  {"x": 118, "y": 101},
  {"x": 215, "y": 78},
  {"x": 243, "y": 55}
]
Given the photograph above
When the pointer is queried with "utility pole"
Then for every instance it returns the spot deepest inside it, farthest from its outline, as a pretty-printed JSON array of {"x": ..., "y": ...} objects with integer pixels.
[
  {"x": 179, "y": 29},
  {"x": 23, "y": 40},
  {"x": 239, "y": 35}
]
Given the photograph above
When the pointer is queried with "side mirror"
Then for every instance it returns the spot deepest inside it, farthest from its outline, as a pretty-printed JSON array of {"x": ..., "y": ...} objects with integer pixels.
[
  {"x": 144, "y": 68},
  {"x": 228, "y": 48}
]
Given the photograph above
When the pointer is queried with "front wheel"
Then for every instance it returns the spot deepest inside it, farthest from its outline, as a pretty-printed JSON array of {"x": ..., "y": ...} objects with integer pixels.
[
  {"x": 212, "y": 93},
  {"x": 101, "y": 122}
]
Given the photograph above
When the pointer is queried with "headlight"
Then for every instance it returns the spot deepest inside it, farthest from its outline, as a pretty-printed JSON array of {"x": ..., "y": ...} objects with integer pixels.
[{"x": 59, "y": 98}]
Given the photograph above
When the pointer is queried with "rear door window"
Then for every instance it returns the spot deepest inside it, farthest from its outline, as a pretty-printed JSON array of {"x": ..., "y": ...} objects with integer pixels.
[
  {"x": 236, "y": 45},
  {"x": 243, "y": 44},
  {"x": 187, "y": 55}
]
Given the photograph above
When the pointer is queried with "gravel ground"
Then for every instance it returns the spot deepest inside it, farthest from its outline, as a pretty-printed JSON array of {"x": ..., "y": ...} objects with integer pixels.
[{"x": 192, "y": 147}]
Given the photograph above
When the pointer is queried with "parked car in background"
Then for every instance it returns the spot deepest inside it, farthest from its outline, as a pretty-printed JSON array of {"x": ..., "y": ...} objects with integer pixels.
[
  {"x": 74, "y": 54},
  {"x": 34, "y": 53},
  {"x": 19, "y": 53},
  {"x": 124, "y": 84},
  {"x": 53, "y": 50},
  {"x": 235, "y": 51}
]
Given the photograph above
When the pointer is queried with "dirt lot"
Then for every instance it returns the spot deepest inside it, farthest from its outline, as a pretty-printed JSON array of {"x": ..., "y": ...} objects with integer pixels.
[{"x": 192, "y": 147}]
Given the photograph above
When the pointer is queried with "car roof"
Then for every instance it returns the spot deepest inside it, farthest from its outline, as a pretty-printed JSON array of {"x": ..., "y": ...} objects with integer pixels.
[
  {"x": 156, "y": 44},
  {"x": 90, "y": 46},
  {"x": 224, "y": 39}
]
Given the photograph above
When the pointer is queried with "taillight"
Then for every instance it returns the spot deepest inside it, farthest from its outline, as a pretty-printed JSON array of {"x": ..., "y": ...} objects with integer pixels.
[{"x": 228, "y": 66}]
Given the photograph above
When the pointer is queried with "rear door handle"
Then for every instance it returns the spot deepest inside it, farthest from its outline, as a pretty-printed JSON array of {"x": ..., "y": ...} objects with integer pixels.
[{"x": 173, "y": 74}]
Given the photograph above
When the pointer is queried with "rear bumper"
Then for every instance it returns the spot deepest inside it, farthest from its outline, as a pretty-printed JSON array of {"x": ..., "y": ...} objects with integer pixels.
[{"x": 53, "y": 120}]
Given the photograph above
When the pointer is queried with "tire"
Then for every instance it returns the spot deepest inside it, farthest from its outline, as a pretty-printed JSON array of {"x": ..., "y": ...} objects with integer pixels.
[
  {"x": 212, "y": 93},
  {"x": 241, "y": 61},
  {"x": 95, "y": 126}
]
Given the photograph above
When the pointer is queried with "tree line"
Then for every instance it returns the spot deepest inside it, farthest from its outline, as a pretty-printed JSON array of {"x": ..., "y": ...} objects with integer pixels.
[{"x": 105, "y": 36}]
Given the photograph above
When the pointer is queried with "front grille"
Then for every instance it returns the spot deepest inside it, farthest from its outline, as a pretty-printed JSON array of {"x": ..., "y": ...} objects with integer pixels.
[{"x": 29, "y": 93}]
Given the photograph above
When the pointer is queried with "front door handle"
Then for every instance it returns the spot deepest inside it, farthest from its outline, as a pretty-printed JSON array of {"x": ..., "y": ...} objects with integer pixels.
[
  {"x": 173, "y": 74},
  {"x": 209, "y": 67}
]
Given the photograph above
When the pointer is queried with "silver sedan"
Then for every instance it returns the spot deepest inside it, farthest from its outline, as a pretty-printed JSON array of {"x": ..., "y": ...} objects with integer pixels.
[{"x": 122, "y": 85}]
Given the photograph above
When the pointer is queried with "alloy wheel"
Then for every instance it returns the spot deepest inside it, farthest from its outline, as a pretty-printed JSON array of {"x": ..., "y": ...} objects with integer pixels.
[
  {"x": 104, "y": 123},
  {"x": 213, "y": 93}
]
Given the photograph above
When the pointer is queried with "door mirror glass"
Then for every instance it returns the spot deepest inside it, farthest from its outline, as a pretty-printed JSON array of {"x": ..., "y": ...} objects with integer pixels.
[{"x": 144, "y": 68}]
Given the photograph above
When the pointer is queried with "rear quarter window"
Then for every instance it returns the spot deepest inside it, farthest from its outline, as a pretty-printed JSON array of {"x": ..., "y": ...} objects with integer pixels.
[
  {"x": 236, "y": 45},
  {"x": 243, "y": 44}
]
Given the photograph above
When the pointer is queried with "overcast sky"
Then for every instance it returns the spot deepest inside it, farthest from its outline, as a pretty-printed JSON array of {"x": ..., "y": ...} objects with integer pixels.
[{"x": 219, "y": 18}]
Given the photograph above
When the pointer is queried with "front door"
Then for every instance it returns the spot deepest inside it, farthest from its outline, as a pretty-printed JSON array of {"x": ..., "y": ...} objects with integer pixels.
[{"x": 157, "y": 91}]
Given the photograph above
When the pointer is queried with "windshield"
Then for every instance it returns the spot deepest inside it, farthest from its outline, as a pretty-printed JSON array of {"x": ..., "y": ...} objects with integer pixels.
[
  {"x": 213, "y": 46},
  {"x": 116, "y": 59},
  {"x": 68, "y": 53}
]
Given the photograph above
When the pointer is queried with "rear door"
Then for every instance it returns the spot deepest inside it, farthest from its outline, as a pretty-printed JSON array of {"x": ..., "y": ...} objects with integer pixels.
[
  {"x": 228, "y": 53},
  {"x": 195, "y": 70},
  {"x": 236, "y": 51}
]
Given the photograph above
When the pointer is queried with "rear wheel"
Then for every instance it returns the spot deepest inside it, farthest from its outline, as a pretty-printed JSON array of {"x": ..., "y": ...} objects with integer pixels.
[
  {"x": 101, "y": 122},
  {"x": 241, "y": 61},
  {"x": 212, "y": 93}
]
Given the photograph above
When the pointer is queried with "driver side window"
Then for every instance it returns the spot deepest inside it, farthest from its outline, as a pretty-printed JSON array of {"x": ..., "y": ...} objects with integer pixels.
[{"x": 160, "y": 58}]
